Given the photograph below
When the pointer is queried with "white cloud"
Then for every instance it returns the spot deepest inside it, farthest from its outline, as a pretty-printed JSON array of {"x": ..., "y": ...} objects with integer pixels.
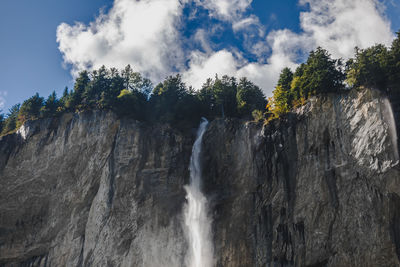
[
  {"x": 203, "y": 66},
  {"x": 229, "y": 10},
  {"x": 142, "y": 33},
  {"x": 336, "y": 25},
  {"x": 244, "y": 23},
  {"x": 146, "y": 34},
  {"x": 341, "y": 25}
]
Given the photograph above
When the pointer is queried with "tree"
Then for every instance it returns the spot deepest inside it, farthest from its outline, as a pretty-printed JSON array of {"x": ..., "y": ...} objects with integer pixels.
[
  {"x": 281, "y": 104},
  {"x": 74, "y": 101},
  {"x": 111, "y": 90},
  {"x": 131, "y": 103},
  {"x": 134, "y": 81},
  {"x": 394, "y": 66},
  {"x": 100, "y": 81},
  {"x": 50, "y": 106},
  {"x": 208, "y": 106},
  {"x": 63, "y": 100},
  {"x": 10, "y": 123},
  {"x": 30, "y": 109},
  {"x": 249, "y": 98},
  {"x": 369, "y": 68},
  {"x": 167, "y": 98},
  {"x": 225, "y": 91},
  {"x": 295, "y": 86},
  {"x": 282, "y": 95},
  {"x": 321, "y": 74},
  {"x": 285, "y": 79}
]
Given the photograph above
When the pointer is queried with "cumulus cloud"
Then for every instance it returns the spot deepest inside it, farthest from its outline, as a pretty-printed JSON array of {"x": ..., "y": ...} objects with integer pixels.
[
  {"x": 336, "y": 25},
  {"x": 146, "y": 34},
  {"x": 142, "y": 33},
  {"x": 341, "y": 25},
  {"x": 224, "y": 62}
]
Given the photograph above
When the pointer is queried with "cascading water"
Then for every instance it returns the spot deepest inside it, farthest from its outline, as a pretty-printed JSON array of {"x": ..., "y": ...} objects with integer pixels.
[{"x": 197, "y": 221}]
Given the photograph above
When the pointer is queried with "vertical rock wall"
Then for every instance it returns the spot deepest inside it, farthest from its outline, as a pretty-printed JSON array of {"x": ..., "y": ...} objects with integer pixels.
[{"x": 320, "y": 187}]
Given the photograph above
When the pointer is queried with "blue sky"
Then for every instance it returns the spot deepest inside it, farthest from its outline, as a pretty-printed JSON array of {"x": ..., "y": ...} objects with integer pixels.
[{"x": 197, "y": 38}]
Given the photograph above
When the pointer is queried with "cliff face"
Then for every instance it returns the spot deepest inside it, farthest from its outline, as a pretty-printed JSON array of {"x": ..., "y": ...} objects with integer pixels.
[{"x": 318, "y": 188}]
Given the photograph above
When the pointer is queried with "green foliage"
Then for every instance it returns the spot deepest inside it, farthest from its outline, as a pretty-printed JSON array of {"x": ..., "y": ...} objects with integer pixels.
[
  {"x": 282, "y": 95},
  {"x": 218, "y": 97},
  {"x": 286, "y": 78},
  {"x": 134, "y": 81},
  {"x": 168, "y": 101},
  {"x": 129, "y": 94},
  {"x": 249, "y": 98},
  {"x": 320, "y": 74},
  {"x": 74, "y": 100},
  {"x": 225, "y": 91},
  {"x": 30, "y": 109},
  {"x": 51, "y": 106},
  {"x": 377, "y": 67},
  {"x": 100, "y": 84},
  {"x": 10, "y": 123},
  {"x": 394, "y": 66},
  {"x": 131, "y": 103},
  {"x": 258, "y": 115},
  {"x": 62, "y": 103},
  {"x": 369, "y": 67}
]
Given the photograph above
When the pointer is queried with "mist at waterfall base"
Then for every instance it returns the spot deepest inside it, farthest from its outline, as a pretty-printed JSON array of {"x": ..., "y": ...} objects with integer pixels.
[{"x": 197, "y": 221}]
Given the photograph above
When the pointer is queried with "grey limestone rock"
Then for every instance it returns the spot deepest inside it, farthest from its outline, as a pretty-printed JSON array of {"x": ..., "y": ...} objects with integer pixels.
[{"x": 319, "y": 187}]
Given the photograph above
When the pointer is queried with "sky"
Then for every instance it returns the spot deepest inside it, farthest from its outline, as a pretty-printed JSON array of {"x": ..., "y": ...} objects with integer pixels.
[{"x": 45, "y": 43}]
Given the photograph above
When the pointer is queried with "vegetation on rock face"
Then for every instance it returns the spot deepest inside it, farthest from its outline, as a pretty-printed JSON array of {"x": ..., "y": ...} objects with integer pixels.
[
  {"x": 129, "y": 94},
  {"x": 320, "y": 74},
  {"x": 376, "y": 67}
]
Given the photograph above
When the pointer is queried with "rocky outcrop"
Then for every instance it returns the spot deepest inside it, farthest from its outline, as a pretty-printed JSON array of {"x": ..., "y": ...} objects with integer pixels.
[
  {"x": 320, "y": 187},
  {"x": 90, "y": 190}
]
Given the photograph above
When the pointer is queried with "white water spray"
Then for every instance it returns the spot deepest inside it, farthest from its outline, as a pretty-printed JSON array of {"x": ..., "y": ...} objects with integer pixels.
[{"x": 197, "y": 221}]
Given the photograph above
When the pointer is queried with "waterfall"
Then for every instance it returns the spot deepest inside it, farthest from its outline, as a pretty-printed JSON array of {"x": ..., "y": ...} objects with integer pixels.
[
  {"x": 392, "y": 126},
  {"x": 197, "y": 221}
]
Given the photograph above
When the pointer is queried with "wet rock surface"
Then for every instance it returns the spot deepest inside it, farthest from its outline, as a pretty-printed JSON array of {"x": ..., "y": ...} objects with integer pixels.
[{"x": 320, "y": 187}]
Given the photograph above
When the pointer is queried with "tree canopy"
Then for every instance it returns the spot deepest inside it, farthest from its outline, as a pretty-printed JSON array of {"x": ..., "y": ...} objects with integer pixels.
[{"x": 130, "y": 94}]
